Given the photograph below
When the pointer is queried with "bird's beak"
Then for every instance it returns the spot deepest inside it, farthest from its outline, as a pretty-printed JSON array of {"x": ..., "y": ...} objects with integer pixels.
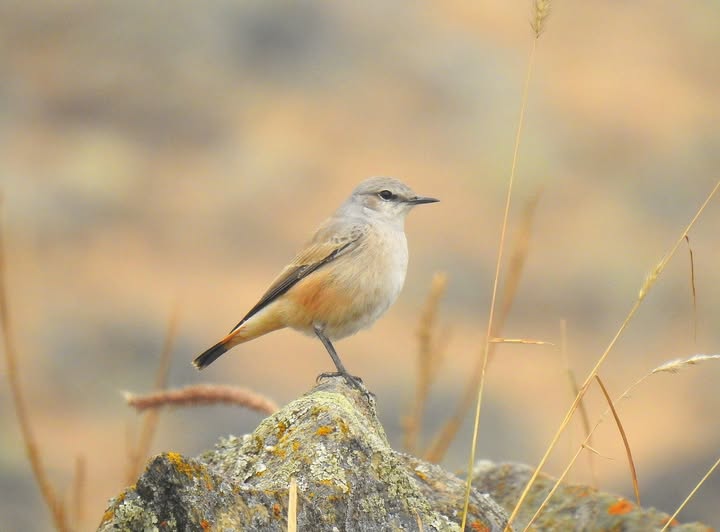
[{"x": 419, "y": 200}]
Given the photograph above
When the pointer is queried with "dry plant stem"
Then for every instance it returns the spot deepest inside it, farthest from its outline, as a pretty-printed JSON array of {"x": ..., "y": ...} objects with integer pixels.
[
  {"x": 572, "y": 379},
  {"x": 149, "y": 426},
  {"x": 481, "y": 387},
  {"x": 516, "y": 263},
  {"x": 428, "y": 358},
  {"x": 585, "y": 419},
  {"x": 447, "y": 433},
  {"x": 523, "y": 341},
  {"x": 631, "y": 462},
  {"x": 78, "y": 492},
  {"x": 692, "y": 285},
  {"x": 421, "y": 528},
  {"x": 203, "y": 395},
  {"x": 49, "y": 495},
  {"x": 554, "y": 488},
  {"x": 647, "y": 285},
  {"x": 672, "y": 366},
  {"x": 292, "y": 506},
  {"x": 672, "y": 518},
  {"x": 541, "y": 11}
]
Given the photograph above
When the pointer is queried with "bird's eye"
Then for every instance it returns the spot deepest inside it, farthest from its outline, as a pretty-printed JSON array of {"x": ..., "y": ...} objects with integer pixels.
[{"x": 386, "y": 195}]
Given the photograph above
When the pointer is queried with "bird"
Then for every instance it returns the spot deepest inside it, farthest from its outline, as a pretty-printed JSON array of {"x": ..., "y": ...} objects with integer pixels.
[{"x": 348, "y": 274}]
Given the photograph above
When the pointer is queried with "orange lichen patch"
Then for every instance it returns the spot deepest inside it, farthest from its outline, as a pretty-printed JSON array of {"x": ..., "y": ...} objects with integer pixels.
[
  {"x": 295, "y": 445},
  {"x": 281, "y": 428},
  {"x": 190, "y": 470},
  {"x": 205, "y": 525},
  {"x": 277, "y": 510},
  {"x": 621, "y": 507},
  {"x": 281, "y": 453},
  {"x": 110, "y": 512},
  {"x": 325, "y": 430},
  {"x": 422, "y": 476},
  {"x": 480, "y": 527},
  {"x": 181, "y": 465}
]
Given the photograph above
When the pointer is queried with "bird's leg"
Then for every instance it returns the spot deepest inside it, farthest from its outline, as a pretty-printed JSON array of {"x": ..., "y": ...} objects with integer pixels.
[{"x": 341, "y": 371}]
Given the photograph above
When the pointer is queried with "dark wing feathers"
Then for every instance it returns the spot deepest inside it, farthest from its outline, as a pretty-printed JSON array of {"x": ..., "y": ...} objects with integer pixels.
[{"x": 300, "y": 268}]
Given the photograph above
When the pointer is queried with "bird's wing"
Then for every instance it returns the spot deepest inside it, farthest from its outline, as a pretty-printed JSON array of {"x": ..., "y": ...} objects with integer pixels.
[{"x": 329, "y": 242}]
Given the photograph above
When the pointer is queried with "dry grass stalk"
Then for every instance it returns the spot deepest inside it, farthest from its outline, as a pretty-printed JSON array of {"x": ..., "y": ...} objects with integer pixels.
[
  {"x": 574, "y": 388},
  {"x": 292, "y": 505},
  {"x": 676, "y": 364},
  {"x": 541, "y": 11},
  {"x": 78, "y": 492},
  {"x": 692, "y": 286},
  {"x": 524, "y": 341},
  {"x": 203, "y": 395},
  {"x": 421, "y": 528},
  {"x": 585, "y": 420},
  {"x": 54, "y": 503},
  {"x": 631, "y": 462},
  {"x": 491, "y": 315},
  {"x": 672, "y": 518},
  {"x": 516, "y": 263},
  {"x": 649, "y": 282},
  {"x": 446, "y": 435},
  {"x": 672, "y": 366},
  {"x": 138, "y": 453},
  {"x": 429, "y": 357},
  {"x": 555, "y": 487},
  {"x": 595, "y": 451}
]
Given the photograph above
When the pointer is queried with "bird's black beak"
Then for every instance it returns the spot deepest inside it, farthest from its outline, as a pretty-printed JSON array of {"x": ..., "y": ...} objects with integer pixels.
[{"x": 419, "y": 200}]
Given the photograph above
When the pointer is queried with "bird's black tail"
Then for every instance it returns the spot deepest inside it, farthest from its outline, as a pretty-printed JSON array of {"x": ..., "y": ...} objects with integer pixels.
[{"x": 209, "y": 356}]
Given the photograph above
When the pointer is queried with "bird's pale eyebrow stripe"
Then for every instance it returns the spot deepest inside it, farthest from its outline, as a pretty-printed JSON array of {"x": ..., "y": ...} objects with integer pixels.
[{"x": 291, "y": 280}]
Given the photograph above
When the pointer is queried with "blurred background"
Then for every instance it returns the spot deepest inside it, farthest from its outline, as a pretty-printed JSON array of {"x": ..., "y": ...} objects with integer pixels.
[{"x": 156, "y": 156}]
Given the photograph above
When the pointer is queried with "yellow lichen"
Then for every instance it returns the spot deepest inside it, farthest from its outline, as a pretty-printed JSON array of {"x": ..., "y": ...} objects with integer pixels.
[{"x": 325, "y": 430}]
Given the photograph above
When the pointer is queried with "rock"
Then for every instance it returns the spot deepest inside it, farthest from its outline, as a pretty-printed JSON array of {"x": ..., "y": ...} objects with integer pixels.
[
  {"x": 331, "y": 442},
  {"x": 348, "y": 478},
  {"x": 572, "y": 507}
]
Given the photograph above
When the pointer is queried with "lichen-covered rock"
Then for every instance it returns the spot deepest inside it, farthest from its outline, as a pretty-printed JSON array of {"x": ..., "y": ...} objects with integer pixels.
[
  {"x": 572, "y": 507},
  {"x": 348, "y": 478}
]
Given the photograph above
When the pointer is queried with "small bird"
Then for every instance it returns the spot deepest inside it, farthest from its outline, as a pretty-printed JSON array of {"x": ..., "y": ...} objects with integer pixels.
[{"x": 344, "y": 279}]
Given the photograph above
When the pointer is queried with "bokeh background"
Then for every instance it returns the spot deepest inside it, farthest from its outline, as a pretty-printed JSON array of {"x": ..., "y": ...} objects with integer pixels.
[{"x": 160, "y": 155}]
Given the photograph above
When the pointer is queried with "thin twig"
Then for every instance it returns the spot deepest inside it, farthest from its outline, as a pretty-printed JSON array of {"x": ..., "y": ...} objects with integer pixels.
[{"x": 53, "y": 502}]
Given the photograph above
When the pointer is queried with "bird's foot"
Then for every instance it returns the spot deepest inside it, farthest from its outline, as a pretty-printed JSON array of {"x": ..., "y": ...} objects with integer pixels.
[{"x": 352, "y": 380}]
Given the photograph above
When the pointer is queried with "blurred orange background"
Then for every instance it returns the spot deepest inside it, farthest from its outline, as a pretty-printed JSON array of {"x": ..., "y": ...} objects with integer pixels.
[{"x": 155, "y": 156}]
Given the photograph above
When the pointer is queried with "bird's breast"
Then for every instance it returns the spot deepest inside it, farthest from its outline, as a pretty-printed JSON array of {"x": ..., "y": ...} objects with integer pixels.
[{"x": 371, "y": 276}]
